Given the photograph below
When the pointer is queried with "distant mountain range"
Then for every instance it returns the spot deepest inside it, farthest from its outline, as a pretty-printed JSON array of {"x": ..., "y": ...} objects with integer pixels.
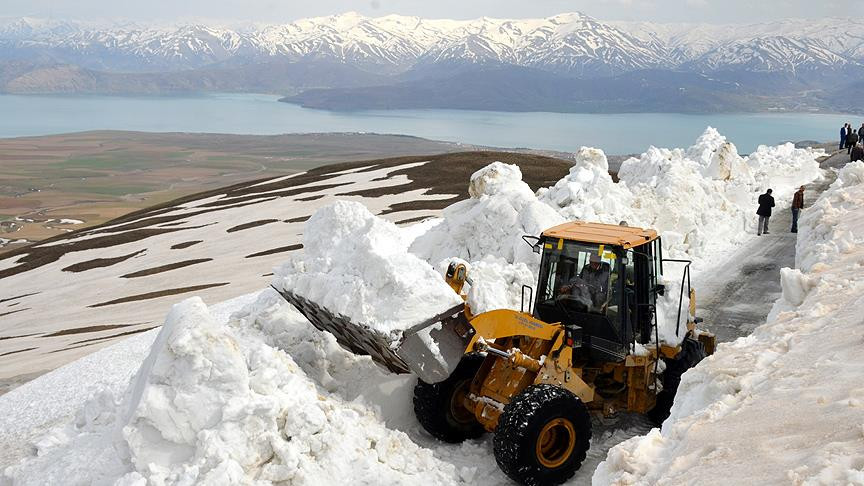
[{"x": 569, "y": 62}]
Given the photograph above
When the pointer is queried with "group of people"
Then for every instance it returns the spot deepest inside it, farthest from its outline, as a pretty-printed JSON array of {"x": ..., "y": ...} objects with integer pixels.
[
  {"x": 766, "y": 202},
  {"x": 853, "y": 141}
]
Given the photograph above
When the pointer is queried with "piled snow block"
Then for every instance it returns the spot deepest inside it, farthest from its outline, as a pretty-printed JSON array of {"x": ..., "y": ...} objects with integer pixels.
[
  {"x": 502, "y": 209},
  {"x": 357, "y": 265}
]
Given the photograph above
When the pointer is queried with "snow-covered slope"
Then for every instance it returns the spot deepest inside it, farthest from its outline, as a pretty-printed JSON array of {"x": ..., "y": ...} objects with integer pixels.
[
  {"x": 784, "y": 405},
  {"x": 250, "y": 393},
  {"x": 572, "y": 43},
  {"x": 65, "y": 298}
]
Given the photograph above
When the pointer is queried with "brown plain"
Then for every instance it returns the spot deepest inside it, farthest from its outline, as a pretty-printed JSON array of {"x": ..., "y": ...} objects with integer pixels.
[{"x": 98, "y": 176}]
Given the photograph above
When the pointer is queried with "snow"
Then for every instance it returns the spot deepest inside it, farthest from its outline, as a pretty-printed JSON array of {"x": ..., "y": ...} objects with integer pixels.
[
  {"x": 701, "y": 200},
  {"x": 498, "y": 285},
  {"x": 228, "y": 252},
  {"x": 588, "y": 192},
  {"x": 502, "y": 209},
  {"x": 357, "y": 265},
  {"x": 783, "y": 405},
  {"x": 568, "y": 42},
  {"x": 704, "y": 198},
  {"x": 218, "y": 401},
  {"x": 71, "y": 386},
  {"x": 250, "y": 393},
  {"x": 7, "y": 241}
]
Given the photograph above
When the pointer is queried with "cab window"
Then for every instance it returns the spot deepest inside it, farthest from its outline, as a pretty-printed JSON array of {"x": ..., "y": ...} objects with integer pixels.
[{"x": 578, "y": 276}]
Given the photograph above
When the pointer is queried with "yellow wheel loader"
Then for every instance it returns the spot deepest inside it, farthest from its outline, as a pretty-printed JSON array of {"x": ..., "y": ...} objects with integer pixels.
[{"x": 587, "y": 343}]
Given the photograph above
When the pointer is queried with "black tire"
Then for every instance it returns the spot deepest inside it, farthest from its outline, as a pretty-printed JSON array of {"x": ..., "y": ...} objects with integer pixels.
[
  {"x": 438, "y": 407},
  {"x": 542, "y": 410},
  {"x": 692, "y": 352}
]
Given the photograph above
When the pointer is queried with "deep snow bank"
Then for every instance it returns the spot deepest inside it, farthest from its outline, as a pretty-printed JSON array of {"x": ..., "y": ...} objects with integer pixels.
[
  {"x": 784, "y": 405},
  {"x": 220, "y": 402},
  {"x": 589, "y": 193}
]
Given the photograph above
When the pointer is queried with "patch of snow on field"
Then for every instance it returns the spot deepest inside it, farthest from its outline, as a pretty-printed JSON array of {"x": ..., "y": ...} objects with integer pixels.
[{"x": 784, "y": 405}]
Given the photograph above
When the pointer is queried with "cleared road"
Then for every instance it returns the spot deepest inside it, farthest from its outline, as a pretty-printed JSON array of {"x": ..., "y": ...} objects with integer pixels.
[{"x": 739, "y": 298}]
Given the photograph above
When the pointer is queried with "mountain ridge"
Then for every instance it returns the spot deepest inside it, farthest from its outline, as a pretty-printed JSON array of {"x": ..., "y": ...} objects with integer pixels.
[{"x": 392, "y": 50}]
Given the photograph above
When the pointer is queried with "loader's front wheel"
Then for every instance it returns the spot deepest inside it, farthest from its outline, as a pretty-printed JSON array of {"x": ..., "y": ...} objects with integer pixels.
[
  {"x": 543, "y": 436},
  {"x": 440, "y": 407}
]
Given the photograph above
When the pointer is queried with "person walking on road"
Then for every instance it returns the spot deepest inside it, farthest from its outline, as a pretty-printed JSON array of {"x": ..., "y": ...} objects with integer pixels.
[
  {"x": 861, "y": 133},
  {"x": 851, "y": 140},
  {"x": 843, "y": 133},
  {"x": 766, "y": 202},
  {"x": 797, "y": 206}
]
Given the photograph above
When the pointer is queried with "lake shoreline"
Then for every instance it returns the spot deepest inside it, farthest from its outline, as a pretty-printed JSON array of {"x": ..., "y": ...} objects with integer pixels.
[{"x": 233, "y": 113}]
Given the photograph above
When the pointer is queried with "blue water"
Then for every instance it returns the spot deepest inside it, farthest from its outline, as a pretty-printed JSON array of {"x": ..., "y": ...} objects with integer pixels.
[{"x": 263, "y": 115}]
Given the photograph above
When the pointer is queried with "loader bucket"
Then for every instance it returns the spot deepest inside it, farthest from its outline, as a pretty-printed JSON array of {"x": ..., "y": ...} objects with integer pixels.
[{"x": 431, "y": 349}]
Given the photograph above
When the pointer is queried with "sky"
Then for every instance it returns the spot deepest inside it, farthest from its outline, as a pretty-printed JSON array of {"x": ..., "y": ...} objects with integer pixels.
[{"x": 710, "y": 11}]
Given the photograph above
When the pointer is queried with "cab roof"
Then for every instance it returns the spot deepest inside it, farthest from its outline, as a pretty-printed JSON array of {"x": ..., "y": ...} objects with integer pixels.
[{"x": 605, "y": 234}]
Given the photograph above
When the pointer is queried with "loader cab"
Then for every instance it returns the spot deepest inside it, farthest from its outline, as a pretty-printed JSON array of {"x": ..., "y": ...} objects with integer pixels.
[{"x": 601, "y": 281}]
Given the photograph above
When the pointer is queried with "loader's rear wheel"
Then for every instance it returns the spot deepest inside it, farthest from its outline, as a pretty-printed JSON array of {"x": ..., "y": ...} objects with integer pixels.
[
  {"x": 440, "y": 407},
  {"x": 692, "y": 352},
  {"x": 543, "y": 436}
]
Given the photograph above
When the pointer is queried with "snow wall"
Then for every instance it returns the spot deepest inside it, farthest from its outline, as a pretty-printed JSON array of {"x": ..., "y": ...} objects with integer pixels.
[
  {"x": 784, "y": 405},
  {"x": 262, "y": 397}
]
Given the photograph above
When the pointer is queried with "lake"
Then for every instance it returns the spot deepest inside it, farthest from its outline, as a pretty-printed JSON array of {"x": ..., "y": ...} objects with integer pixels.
[{"x": 263, "y": 115}]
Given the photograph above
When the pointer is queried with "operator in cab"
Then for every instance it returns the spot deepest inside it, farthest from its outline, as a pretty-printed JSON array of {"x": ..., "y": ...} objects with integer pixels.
[{"x": 591, "y": 286}]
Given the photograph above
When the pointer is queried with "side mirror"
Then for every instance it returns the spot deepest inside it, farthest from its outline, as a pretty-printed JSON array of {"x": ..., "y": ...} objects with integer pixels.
[
  {"x": 530, "y": 297},
  {"x": 533, "y": 242},
  {"x": 659, "y": 289},
  {"x": 451, "y": 269}
]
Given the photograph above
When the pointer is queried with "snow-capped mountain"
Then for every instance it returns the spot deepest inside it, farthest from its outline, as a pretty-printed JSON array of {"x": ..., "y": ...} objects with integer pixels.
[
  {"x": 568, "y": 62},
  {"x": 573, "y": 44},
  {"x": 771, "y": 54}
]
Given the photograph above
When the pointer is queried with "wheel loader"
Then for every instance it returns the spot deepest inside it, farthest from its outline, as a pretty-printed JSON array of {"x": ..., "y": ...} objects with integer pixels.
[{"x": 586, "y": 343}]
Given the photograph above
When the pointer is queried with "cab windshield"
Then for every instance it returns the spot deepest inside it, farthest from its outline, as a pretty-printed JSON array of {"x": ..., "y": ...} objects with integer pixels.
[{"x": 577, "y": 276}]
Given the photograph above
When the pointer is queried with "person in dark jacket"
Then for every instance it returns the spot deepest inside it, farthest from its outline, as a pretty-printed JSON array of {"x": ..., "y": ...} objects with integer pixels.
[
  {"x": 798, "y": 205},
  {"x": 851, "y": 140},
  {"x": 861, "y": 133},
  {"x": 857, "y": 153},
  {"x": 766, "y": 202},
  {"x": 843, "y": 134}
]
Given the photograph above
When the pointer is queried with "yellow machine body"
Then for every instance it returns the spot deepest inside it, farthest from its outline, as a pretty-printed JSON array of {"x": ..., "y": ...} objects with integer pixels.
[
  {"x": 538, "y": 353},
  {"x": 523, "y": 350}
]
